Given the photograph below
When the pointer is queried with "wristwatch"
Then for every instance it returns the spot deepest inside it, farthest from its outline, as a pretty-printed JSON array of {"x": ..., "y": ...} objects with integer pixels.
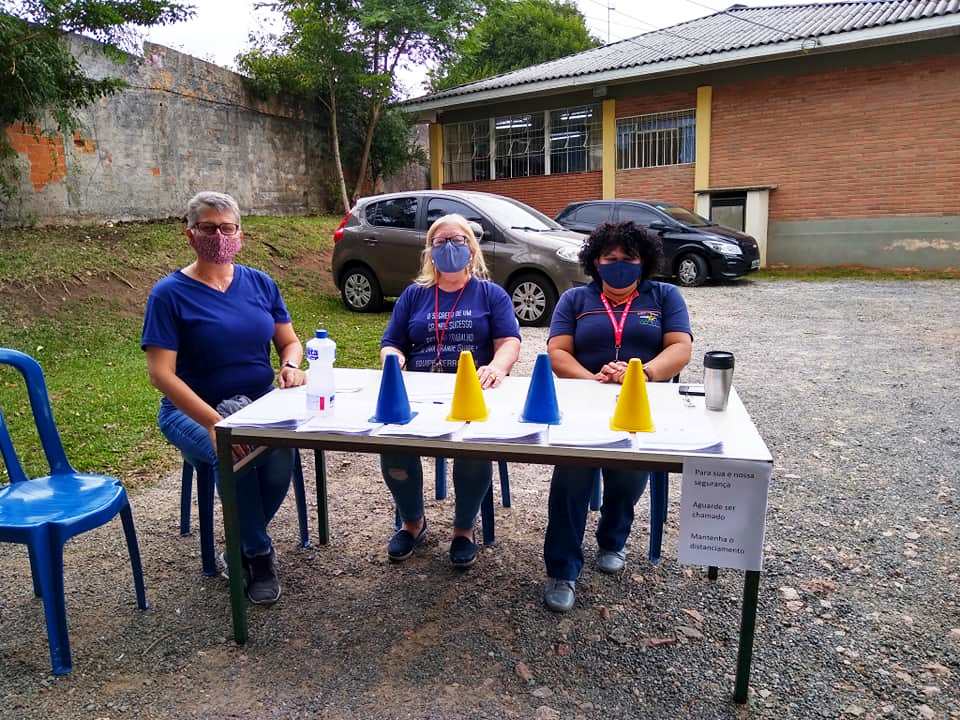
[{"x": 289, "y": 364}]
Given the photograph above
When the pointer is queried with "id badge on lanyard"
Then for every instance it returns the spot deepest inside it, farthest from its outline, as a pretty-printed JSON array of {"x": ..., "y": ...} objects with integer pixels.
[{"x": 617, "y": 327}]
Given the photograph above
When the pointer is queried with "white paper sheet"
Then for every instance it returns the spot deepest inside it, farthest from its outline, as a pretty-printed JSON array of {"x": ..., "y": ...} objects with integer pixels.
[
  {"x": 429, "y": 422},
  {"x": 587, "y": 431},
  {"x": 723, "y": 508},
  {"x": 278, "y": 408},
  {"x": 344, "y": 423},
  {"x": 504, "y": 427}
]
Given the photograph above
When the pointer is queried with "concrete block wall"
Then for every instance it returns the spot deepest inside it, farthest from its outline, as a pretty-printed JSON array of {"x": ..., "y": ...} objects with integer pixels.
[{"x": 183, "y": 125}]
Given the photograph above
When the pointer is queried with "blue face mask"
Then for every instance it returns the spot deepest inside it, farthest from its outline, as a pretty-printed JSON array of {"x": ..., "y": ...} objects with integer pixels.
[
  {"x": 450, "y": 258},
  {"x": 620, "y": 274}
]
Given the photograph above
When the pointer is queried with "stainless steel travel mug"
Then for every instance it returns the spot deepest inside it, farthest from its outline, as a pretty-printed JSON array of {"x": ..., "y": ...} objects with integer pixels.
[{"x": 717, "y": 378}]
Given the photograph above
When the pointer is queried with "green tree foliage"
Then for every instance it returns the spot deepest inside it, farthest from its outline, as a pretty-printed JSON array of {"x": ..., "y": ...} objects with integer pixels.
[
  {"x": 347, "y": 52},
  {"x": 515, "y": 34},
  {"x": 41, "y": 79}
]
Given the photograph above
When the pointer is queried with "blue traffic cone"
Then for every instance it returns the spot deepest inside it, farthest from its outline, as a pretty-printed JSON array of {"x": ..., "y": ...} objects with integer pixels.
[
  {"x": 541, "y": 405},
  {"x": 393, "y": 405}
]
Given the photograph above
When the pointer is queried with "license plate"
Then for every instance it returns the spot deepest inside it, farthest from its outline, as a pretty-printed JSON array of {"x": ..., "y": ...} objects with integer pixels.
[{"x": 755, "y": 265}]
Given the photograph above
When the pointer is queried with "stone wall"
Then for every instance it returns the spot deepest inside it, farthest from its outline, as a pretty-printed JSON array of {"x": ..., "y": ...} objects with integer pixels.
[{"x": 183, "y": 125}]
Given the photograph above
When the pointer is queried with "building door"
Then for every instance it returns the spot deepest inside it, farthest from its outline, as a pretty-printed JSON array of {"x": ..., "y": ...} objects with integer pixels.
[{"x": 729, "y": 210}]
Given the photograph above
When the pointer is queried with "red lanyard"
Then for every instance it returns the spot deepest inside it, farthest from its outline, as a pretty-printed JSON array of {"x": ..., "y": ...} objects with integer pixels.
[
  {"x": 437, "y": 332},
  {"x": 618, "y": 329}
]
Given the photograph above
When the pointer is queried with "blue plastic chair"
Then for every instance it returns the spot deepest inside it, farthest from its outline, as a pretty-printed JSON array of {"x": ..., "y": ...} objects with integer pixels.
[
  {"x": 205, "y": 493},
  {"x": 44, "y": 513},
  {"x": 486, "y": 507}
]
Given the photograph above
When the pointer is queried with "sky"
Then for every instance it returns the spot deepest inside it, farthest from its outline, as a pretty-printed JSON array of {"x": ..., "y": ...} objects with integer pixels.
[{"x": 220, "y": 28}]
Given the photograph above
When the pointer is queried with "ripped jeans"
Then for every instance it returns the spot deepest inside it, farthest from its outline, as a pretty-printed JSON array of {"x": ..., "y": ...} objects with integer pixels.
[{"x": 403, "y": 474}]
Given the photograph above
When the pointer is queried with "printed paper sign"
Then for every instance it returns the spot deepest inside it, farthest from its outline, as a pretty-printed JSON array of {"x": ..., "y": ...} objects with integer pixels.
[{"x": 723, "y": 510}]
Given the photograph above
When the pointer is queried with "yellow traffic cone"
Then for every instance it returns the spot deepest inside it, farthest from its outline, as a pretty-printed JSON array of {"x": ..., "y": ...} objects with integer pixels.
[
  {"x": 468, "y": 402},
  {"x": 633, "y": 406}
]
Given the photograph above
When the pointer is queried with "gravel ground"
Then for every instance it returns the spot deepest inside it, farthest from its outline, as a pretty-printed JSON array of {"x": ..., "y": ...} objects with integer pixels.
[{"x": 854, "y": 387}]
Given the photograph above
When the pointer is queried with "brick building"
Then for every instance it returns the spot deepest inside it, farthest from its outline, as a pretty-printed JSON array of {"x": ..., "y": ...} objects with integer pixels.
[{"x": 829, "y": 131}]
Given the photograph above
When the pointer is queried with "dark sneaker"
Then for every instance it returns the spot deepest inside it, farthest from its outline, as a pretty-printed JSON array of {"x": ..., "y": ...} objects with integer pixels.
[
  {"x": 463, "y": 552},
  {"x": 263, "y": 585},
  {"x": 611, "y": 561},
  {"x": 402, "y": 544},
  {"x": 559, "y": 595}
]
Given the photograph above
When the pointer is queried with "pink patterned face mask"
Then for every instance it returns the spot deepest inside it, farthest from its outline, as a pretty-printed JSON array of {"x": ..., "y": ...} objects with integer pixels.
[{"x": 215, "y": 247}]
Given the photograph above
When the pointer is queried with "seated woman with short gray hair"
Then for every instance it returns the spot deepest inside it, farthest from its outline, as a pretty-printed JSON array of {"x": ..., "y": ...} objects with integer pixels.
[{"x": 207, "y": 333}]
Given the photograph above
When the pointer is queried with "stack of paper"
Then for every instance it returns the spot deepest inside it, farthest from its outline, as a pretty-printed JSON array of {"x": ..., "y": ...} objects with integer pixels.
[
  {"x": 681, "y": 434},
  {"x": 282, "y": 409},
  {"x": 588, "y": 433},
  {"x": 505, "y": 428},
  {"x": 341, "y": 423},
  {"x": 430, "y": 421}
]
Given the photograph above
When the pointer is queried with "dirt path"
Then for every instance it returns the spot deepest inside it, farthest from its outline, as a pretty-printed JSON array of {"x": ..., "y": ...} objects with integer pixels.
[{"x": 848, "y": 382}]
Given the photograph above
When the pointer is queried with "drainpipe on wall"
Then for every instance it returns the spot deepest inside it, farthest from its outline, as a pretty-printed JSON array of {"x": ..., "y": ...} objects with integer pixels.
[
  {"x": 609, "y": 148},
  {"x": 701, "y": 173},
  {"x": 436, "y": 156}
]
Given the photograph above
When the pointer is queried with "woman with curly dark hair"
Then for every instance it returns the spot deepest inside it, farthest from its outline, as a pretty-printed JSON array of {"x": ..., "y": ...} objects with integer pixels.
[{"x": 596, "y": 329}]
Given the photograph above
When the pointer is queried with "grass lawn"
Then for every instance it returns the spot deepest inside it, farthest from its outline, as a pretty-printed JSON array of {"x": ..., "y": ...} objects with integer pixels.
[
  {"x": 851, "y": 272},
  {"x": 66, "y": 299}
]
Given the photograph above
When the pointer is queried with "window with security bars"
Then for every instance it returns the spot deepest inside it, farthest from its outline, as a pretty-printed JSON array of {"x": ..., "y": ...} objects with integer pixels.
[
  {"x": 519, "y": 145},
  {"x": 666, "y": 138},
  {"x": 466, "y": 151},
  {"x": 576, "y": 144}
]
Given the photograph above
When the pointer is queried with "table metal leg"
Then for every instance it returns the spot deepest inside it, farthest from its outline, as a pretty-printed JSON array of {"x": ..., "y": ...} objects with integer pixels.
[
  {"x": 231, "y": 531},
  {"x": 323, "y": 519},
  {"x": 748, "y": 621}
]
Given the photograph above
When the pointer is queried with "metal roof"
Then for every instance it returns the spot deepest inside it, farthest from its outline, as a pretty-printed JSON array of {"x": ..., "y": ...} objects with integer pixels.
[{"x": 736, "y": 28}]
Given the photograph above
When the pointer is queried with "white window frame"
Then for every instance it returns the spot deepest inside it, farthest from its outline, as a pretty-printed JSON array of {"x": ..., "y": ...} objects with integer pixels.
[
  {"x": 667, "y": 142},
  {"x": 448, "y": 161},
  {"x": 598, "y": 122}
]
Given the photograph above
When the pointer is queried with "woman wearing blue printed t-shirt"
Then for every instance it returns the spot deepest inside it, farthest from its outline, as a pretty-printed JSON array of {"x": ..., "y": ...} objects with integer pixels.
[
  {"x": 596, "y": 329},
  {"x": 450, "y": 307},
  {"x": 207, "y": 333}
]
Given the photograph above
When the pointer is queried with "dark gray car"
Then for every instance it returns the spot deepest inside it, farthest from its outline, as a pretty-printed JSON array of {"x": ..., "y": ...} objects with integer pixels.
[{"x": 378, "y": 246}]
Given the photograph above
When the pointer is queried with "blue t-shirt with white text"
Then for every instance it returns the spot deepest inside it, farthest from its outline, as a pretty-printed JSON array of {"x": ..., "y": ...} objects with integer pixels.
[
  {"x": 658, "y": 309},
  {"x": 222, "y": 339},
  {"x": 483, "y": 314}
]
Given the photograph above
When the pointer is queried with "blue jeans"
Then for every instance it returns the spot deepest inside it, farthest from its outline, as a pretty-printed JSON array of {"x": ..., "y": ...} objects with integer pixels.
[
  {"x": 570, "y": 490},
  {"x": 260, "y": 488},
  {"x": 403, "y": 474}
]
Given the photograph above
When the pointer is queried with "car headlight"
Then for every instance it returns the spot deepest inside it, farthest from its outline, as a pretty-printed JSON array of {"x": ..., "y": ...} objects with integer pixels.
[
  {"x": 569, "y": 253},
  {"x": 724, "y": 248}
]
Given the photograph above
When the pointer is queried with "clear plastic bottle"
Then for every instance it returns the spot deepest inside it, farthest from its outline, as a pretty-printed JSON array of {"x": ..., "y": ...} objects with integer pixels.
[{"x": 321, "y": 389}]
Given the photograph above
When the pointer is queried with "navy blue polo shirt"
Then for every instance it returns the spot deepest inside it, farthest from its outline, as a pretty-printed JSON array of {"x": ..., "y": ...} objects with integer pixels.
[
  {"x": 222, "y": 339},
  {"x": 659, "y": 308},
  {"x": 483, "y": 314}
]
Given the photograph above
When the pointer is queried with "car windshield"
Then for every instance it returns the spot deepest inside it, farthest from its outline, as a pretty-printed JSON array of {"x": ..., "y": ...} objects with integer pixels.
[
  {"x": 513, "y": 214},
  {"x": 682, "y": 215}
]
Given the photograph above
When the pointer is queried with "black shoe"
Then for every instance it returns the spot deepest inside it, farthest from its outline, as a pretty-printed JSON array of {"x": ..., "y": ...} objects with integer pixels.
[
  {"x": 463, "y": 552},
  {"x": 402, "y": 544},
  {"x": 263, "y": 585}
]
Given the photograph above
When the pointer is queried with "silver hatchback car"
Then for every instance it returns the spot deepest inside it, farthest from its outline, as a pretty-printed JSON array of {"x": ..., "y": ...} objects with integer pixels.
[{"x": 378, "y": 246}]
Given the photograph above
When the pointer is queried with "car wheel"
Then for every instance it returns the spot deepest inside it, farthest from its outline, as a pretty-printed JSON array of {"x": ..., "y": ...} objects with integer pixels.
[
  {"x": 360, "y": 290},
  {"x": 692, "y": 270},
  {"x": 533, "y": 299}
]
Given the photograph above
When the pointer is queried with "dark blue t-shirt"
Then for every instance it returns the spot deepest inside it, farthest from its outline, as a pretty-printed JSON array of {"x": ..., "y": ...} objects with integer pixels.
[
  {"x": 222, "y": 339},
  {"x": 483, "y": 314},
  {"x": 658, "y": 309}
]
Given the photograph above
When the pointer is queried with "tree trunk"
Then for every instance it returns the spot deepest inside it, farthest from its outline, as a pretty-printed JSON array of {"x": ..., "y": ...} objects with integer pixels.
[
  {"x": 335, "y": 141},
  {"x": 367, "y": 142}
]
